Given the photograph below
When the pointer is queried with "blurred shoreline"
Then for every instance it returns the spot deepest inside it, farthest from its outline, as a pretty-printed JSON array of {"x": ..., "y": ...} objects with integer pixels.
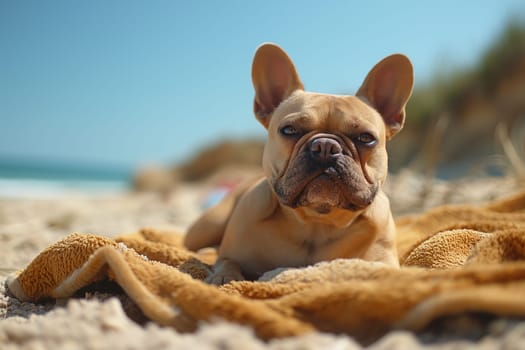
[
  {"x": 45, "y": 189},
  {"x": 20, "y": 178}
]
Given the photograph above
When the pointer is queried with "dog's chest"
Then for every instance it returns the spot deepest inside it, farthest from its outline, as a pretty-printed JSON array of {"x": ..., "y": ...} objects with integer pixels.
[
  {"x": 318, "y": 243},
  {"x": 323, "y": 243},
  {"x": 308, "y": 245}
]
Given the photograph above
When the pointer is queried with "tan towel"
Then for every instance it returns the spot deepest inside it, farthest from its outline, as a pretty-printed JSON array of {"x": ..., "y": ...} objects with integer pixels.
[{"x": 455, "y": 259}]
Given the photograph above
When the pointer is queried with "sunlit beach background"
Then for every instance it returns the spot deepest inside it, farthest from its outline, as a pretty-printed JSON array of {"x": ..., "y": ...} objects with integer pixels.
[{"x": 91, "y": 92}]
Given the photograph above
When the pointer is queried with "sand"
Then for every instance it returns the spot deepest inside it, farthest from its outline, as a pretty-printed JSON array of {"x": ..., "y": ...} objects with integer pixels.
[{"x": 99, "y": 321}]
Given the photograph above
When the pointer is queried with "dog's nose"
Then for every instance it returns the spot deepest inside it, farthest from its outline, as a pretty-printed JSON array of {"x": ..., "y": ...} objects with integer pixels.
[{"x": 325, "y": 148}]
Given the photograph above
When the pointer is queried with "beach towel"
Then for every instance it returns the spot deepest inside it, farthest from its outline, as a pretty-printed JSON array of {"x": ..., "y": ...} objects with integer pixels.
[{"x": 454, "y": 260}]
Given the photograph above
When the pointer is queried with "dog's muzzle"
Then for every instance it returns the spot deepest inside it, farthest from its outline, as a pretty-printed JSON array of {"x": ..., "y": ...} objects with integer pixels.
[{"x": 325, "y": 150}]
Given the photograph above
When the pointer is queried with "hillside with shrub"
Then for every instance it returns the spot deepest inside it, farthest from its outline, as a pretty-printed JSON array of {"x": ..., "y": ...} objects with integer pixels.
[{"x": 464, "y": 121}]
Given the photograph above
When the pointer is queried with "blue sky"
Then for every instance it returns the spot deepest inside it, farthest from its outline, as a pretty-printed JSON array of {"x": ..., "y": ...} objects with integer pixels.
[{"x": 134, "y": 82}]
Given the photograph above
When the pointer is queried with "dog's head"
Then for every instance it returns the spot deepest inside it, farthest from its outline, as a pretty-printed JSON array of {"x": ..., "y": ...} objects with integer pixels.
[{"x": 325, "y": 154}]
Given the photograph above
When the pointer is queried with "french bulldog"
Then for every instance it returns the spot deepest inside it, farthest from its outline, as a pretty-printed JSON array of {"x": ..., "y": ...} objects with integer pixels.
[{"x": 324, "y": 165}]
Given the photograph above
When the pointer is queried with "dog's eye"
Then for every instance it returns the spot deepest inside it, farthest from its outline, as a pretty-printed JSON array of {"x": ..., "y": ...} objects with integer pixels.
[
  {"x": 366, "y": 139},
  {"x": 288, "y": 130}
]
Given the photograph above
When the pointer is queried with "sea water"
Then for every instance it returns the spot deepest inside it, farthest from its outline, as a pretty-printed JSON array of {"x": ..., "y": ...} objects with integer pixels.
[{"x": 44, "y": 179}]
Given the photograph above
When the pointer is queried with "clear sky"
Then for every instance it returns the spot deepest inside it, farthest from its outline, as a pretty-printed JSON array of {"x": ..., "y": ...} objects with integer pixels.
[{"x": 133, "y": 82}]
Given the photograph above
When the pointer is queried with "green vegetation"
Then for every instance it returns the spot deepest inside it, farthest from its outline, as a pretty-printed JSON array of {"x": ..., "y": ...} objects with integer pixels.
[
  {"x": 450, "y": 90},
  {"x": 453, "y": 118}
]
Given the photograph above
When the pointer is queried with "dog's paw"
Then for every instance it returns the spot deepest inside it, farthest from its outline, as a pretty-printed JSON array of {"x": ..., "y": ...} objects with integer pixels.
[
  {"x": 222, "y": 277},
  {"x": 225, "y": 271}
]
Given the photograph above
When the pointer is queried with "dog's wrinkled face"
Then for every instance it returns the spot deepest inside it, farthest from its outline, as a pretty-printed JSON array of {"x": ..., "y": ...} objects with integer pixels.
[{"x": 325, "y": 154}]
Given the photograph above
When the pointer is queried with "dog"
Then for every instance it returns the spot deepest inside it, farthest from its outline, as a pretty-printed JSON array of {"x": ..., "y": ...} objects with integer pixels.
[{"x": 324, "y": 165}]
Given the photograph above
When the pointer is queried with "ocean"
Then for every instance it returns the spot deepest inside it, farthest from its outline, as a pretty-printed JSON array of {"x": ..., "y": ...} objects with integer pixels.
[{"x": 22, "y": 178}]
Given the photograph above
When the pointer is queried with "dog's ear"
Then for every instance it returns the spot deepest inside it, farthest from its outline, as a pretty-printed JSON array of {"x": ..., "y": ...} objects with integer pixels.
[
  {"x": 387, "y": 88},
  {"x": 274, "y": 78}
]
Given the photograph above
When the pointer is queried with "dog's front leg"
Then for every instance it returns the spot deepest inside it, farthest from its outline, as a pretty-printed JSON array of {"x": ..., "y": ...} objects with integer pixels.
[{"x": 224, "y": 271}]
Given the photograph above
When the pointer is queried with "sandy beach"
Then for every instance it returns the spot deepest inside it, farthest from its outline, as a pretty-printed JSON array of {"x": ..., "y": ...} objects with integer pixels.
[{"x": 99, "y": 320}]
